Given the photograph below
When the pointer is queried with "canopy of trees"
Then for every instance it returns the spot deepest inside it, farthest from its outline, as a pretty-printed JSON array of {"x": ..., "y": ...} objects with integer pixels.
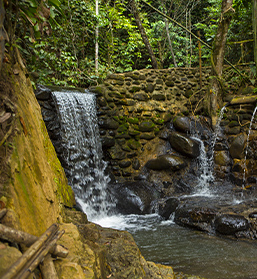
[{"x": 57, "y": 38}]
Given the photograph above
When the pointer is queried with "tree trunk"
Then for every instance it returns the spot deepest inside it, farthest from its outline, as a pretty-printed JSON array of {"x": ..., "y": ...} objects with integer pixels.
[
  {"x": 170, "y": 44},
  {"x": 96, "y": 38},
  {"x": 255, "y": 31},
  {"x": 143, "y": 33},
  {"x": 2, "y": 32},
  {"x": 217, "y": 58}
]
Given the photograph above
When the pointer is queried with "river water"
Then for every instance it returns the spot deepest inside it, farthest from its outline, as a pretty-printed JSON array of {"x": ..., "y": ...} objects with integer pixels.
[{"x": 186, "y": 250}]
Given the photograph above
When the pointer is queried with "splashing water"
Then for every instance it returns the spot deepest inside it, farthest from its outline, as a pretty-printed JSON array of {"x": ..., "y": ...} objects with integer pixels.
[
  {"x": 205, "y": 168},
  {"x": 217, "y": 130},
  {"x": 82, "y": 151},
  {"x": 246, "y": 149}
]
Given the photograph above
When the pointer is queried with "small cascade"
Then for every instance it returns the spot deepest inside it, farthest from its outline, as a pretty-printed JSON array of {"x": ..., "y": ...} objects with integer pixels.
[
  {"x": 217, "y": 130},
  {"x": 205, "y": 168},
  {"x": 246, "y": 149},
  {"x": 82, "y": 153}
]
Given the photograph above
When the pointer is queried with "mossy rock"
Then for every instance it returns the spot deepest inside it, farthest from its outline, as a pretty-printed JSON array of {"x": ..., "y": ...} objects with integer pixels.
[
  {"x": 122, "y": 128},
  {"x": 133, "y": 144},
  {"x": 147, "y": 136},
  {"x": 134, "y": 89},
  {"x": 133, "y": 120},
  {"x": 146, "y": 126},
  {"x": 99, "y": 90},
  {"x": 115, "y": 95},
  {"x": 141, "y": 97},
  {"x": 133, "y": 133}
]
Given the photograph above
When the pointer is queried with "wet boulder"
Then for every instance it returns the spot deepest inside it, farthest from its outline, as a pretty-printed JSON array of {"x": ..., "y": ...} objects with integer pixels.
[
  {"x": 184, "y": 145},
  {"x": 166, "y": 162},
  {"x": 221, "y": 158},
  {"x": 196, "y": 217},
  {"x": 167, "y": 206},
  {"x": 134, "y": 197},
  {"x": 182, "y": 124},
  {"x": 229, "y": 224},
  {"x": 237, "y": 147}
]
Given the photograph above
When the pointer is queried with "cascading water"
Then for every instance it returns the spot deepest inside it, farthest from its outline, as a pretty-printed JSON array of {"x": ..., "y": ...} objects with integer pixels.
[
  {"x": 81, "y": 143},
  {"x": 247, "y": 143},
  {"x": 205, "y": 161},
  {"x": 217, "y": 130},
  {"x": 205, "y": 168}
]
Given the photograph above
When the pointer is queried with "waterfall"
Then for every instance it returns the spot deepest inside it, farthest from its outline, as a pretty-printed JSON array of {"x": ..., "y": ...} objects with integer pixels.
[
  {"x": 205, "y": 168},
  {"x": 246, "y": 148},
  {"x": 82, "y": 153},
  {"x": 206, "y": 161},
  {"x": 217, "y": 130}
]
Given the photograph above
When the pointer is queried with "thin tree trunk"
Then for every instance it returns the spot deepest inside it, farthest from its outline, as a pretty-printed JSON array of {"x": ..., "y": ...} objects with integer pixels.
[
  {"x": 96, "y": 38},
  {"x": 254, "y": 7},
  {"x": 217, "y": 58},
  {"x": 2, "y": 32},
  {"x": 170, "y": 44},
  {"x": 143, "y": 33}
]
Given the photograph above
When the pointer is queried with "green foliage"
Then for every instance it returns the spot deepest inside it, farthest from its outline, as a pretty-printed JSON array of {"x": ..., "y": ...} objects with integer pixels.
[{"x": 57, "y": 37}]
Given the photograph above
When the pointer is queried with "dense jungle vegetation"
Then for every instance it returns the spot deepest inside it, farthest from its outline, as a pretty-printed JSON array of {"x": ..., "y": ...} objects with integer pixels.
[{"x": 76, "y": 43}]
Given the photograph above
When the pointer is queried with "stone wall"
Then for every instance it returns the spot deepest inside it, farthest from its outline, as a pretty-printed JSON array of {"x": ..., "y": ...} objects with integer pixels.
[
  {"x": 135, "y": 107},
  {"x": 138, "y": 111}
]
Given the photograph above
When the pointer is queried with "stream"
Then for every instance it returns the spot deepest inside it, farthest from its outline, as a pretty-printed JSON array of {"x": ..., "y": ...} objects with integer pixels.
[{"x": 186, "y": 250}]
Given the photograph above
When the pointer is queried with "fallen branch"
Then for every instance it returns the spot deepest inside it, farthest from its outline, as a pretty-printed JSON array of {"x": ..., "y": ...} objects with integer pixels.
[
  {"x": 27, "y": 239},
  {"x": 2, "y": 212},
  {"x": 243, "y": 100},
  {"x": 18, "y": 269},
  {"x": 47, "y": 268},
  {"x": 38, "y": 257},
  {"x": 6, "y": 136}
]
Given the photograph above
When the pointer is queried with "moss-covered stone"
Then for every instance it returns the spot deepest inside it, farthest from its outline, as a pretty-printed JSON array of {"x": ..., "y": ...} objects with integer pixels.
[
  {"x": 133, "y": 120},
  {"x": 146, "y": 126},
  {"x": 133, "y": 144}
]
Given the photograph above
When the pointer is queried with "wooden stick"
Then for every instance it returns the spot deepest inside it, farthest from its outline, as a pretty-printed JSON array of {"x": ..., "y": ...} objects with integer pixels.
[
  {"x": 27, "y": 239},
  {"x": 243, "y": 100},
  {"x": 47, "y": 268},
  {"x": 39, "y": 257},
  {"x": 30, "y": 253},
  {"x": 2, "y": 212}
]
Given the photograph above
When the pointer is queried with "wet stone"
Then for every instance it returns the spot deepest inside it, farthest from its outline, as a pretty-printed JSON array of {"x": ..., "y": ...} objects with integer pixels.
[
  {"x": 125, "y": 164},
  {"x": 164, "y": 162},
  {"x": 229, "y": 224}
]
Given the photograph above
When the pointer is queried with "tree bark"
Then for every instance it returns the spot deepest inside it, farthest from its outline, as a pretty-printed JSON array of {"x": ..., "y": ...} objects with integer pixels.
[
  {"x": 217, "y": 58},
  {"x": 143, "y": 33},
  {"x": 254, "y": 9}
]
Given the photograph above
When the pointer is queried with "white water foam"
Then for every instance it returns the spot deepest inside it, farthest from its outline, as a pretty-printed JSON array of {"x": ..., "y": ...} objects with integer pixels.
[
  {"x": 133, "y": 222},
  {"x": 82, "y": 147}
]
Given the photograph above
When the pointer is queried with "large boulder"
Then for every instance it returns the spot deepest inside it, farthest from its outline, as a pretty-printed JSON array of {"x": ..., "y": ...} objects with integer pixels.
[
  {"x": 182, "y": 124},
  {"x": 167, "y": 206},
  {"x": 166, "y": 162},
  {"x": 184, "y": 145},
  {"x": 197, "y": 217},
  {"x": 230, "y": 224},
  {"x": 237, "y": 147},
  {"x": 134, "y": 197}
]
